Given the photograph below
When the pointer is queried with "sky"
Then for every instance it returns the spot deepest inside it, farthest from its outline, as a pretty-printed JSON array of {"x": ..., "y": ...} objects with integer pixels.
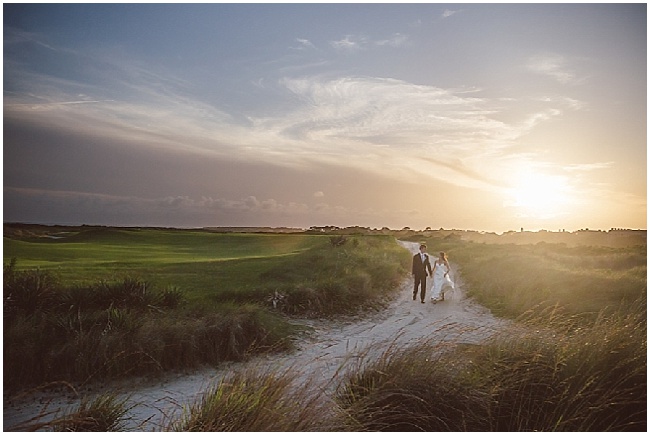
[{"x": 486, "y": 117}]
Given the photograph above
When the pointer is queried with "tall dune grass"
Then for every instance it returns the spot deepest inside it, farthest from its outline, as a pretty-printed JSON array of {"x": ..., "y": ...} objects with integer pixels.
[
  {"x": 584, "y": 281},
  {"x": 556, "y": 379},
  {"x": 577, "y": 361},
  {"x": 338, "y": 279},
  {"x": 127, "y": 328},
  {"x": 562, "y": 379},
  {"x": 104, "y": 413},
  {"x": 258, "y": 400}
]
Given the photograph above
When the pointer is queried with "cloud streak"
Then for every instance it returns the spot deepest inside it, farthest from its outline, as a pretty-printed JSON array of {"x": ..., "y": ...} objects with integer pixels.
[
  {"x": 552, "y": 65},
  {"x": 448, "y": 13},
  {"x": 29, "y": 205},
  {"x": 355, "y": 43},
  {"x": 360, "y": 122}
]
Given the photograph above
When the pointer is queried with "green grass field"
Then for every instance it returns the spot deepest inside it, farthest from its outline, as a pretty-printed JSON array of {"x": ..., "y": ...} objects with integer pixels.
[{"x": 198, "y": 262}]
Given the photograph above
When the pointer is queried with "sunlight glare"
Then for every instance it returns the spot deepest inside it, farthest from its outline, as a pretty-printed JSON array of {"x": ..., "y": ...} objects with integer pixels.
[{"x": 539, "y": 195}]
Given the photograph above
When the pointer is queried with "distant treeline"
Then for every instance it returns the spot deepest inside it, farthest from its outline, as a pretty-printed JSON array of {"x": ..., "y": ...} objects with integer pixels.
[{"x": 615, "y": 237}]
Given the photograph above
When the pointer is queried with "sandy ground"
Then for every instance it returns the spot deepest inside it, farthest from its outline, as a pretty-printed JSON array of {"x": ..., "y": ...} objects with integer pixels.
[{"x": 321, "y": 359}]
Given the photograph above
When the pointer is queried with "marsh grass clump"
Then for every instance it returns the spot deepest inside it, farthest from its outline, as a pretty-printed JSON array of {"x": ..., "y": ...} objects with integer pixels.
[
  {"x": 256, "y": 401},
  {"x": 105, "y": 413},
  {"x": 571, "y": 376},
  {"x": 116, "y": 329},
  {"x": 410, "y": 389},
  {"x": 584, "y": 280},
  {"x": 343, "y": 278},
  {"x": 26, "y": 292},
  {"x": 221, "y": 333},
  {"x": 89, "y": 346}
]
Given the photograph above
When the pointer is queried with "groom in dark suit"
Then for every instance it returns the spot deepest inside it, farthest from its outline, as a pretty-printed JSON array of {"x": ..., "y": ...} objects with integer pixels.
[{"x": 421, "y": 265}]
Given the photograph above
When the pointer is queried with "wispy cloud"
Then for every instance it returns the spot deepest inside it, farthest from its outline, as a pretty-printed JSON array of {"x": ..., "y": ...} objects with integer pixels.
[
  {"x": 360, "y": 122},
  {"x": 552, "y": 65},
  {"x": 303, "y": 44},
  {"x": 448, "y": 13},
  {"x": 23, "y": 204},
  {"x": 350, "y": 43},
  {"x": 36, "y": 106},
  {"x": 355, "y": 43},
  {"x": 397, "y": 40},
  {"x": 587, "y": 167},
  {"x": 14, "y": 36}
]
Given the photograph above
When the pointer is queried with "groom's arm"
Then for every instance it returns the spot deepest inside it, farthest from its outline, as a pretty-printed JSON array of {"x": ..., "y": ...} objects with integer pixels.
[{"x": 427, "y": 264}]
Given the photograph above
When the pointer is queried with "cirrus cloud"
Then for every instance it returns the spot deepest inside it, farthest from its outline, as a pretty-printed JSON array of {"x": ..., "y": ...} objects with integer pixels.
[{"x": 552, "y": 65}]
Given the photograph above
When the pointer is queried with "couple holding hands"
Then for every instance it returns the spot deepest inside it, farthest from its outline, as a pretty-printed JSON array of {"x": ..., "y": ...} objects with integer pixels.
[{"x": 440, "y": 272}]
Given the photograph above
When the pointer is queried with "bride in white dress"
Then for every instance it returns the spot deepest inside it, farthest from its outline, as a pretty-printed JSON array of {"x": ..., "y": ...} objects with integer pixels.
[{"x": 441, "y": 279}]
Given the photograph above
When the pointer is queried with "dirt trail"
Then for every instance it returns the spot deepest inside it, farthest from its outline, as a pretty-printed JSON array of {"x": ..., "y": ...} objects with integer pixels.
[{"x": 321, "y": 355}]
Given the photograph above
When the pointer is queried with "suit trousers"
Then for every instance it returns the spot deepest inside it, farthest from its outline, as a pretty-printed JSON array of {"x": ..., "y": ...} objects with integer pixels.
[{"x": 420, "y": 281}]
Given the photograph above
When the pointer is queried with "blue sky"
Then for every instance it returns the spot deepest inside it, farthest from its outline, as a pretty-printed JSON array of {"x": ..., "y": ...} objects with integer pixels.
[{"x": 478, "y": 116}]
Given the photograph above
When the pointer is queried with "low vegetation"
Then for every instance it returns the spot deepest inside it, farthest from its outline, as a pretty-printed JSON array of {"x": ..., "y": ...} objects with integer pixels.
[
  {"x": 571, "y": 378},
  {"x": 575, "y": 361},
  {"x": 85, "y": 332},
  {"x": 104, "y": 413},
  {"x": 570, "y": 365},
  {"x": 257, "y": 401},
  {"x": 584, "y": 281}
]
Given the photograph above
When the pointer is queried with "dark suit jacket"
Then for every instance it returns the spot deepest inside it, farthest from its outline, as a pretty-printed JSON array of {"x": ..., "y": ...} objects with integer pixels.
[{"x": 419, "y": 267}]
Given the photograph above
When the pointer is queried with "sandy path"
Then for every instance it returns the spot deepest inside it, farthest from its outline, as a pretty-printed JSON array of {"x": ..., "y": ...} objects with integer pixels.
[{"x": 321, "y": 355}]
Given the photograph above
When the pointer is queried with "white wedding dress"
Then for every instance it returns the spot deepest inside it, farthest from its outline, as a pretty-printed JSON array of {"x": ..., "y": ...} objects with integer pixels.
[{"x": 441, "y": 282}]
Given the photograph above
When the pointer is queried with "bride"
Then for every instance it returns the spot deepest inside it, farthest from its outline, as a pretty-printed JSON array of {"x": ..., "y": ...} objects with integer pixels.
[{"x": 441, "y": 278}]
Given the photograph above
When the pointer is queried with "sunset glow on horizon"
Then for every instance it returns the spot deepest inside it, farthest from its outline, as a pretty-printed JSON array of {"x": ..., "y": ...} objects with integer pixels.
[{"x": 490, "y": 117}]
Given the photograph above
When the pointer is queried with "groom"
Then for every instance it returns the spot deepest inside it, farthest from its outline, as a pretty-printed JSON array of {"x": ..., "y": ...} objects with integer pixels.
[{"x": 421, "y": 264}]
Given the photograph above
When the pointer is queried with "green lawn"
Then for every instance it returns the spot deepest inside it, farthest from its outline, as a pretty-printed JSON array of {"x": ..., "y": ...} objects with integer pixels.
[{"x": 193, "y": 260}]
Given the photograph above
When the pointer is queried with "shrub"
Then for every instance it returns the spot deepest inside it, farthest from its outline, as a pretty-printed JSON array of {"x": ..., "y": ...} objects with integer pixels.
[{"x": 338, "y": 240}]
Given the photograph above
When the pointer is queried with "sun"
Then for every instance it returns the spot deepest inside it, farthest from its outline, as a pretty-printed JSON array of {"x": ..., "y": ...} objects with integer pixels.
[{"x": 539, "y": 195}]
